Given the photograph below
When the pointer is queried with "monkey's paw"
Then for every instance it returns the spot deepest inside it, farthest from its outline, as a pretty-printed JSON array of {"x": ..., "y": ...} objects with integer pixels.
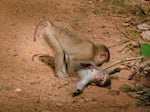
[
  {"x": 76, "y": 93},
  {"x": 61, "y": 75}
]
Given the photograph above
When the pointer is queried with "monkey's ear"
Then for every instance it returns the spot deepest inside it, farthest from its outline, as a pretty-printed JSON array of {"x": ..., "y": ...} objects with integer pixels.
[
  {"x": 47, "y": 23},
  {"x": 103, "y": 55}
]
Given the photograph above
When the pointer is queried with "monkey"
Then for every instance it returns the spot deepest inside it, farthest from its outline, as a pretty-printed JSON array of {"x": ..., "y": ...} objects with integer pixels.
[
  {"x": 87, "y": 73},
  {"x": 79, "y": 50},
  {"x": 92, "y": 74}
]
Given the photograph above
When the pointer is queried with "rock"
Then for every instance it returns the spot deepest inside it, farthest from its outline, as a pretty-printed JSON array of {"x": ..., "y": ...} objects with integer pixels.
[
  {"x": 94, "y": 36},
  {"x": 90, "y": 2},
  {"x": 143, "y": 27},
  {"x": 59, "y": 104},
  {"x": 18, "y": 90},
  {"x": 83, "y": 100},
  {"x": 89, "y": 29},
  {"x": 126, "y": 24},
  {"x": 113, "y": 92},
  {"x": 146, "y": 35},
  {"x": 125, "y": 88}
]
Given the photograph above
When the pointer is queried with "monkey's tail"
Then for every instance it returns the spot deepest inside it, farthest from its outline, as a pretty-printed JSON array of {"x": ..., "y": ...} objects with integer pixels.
[
  {"x": 37, "y": 26},
  {"x": 38, "y": 55}
]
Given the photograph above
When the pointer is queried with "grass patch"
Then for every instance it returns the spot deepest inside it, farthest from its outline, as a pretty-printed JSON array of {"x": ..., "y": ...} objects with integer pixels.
[{"x": 135, "y": 7}]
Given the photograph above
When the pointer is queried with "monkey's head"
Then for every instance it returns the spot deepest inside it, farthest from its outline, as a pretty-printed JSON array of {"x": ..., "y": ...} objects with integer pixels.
[
  {"x": 102, "y": 55},
  {"x": 103, "y": 80},
  {"x": 40, "y": 27}
]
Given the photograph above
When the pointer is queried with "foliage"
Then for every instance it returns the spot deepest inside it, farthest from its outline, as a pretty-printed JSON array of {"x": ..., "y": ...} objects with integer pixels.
[
  {"x": 144, "y": 98},
  {"x": 134, "y": 35},
  {"x": 145, "y": 50},
  {"x": 139, "y": 103},
  {"x": 135, "y": 7},
  {"x": 147, "y": 93}
]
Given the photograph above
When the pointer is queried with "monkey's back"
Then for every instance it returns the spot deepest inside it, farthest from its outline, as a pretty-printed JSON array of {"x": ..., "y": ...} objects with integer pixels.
[{"x": 67, "y": 39}]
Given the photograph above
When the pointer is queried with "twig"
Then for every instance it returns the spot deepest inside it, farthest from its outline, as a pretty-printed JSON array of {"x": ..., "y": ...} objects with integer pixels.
[
  {"x": 115, "y": 45},
  {"x": 122, "y": 32},
  {"x": 123, "y": 60},
  {"x": 38, "y": 55},
  {"x": 141, "y": 92},
  {"x": 63, "y": 85},
  {"x": 119, "y": 43}
]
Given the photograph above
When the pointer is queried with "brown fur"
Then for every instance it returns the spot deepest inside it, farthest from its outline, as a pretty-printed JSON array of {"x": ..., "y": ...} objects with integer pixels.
[{"x": 78, "y": 50}]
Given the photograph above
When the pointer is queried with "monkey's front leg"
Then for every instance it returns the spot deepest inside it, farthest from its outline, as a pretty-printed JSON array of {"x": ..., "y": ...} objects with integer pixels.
[{"x": 60, "y": 69}]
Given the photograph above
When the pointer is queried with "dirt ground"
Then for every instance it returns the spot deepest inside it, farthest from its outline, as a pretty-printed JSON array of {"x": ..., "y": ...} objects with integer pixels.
[{"x": 30, "y": 86}]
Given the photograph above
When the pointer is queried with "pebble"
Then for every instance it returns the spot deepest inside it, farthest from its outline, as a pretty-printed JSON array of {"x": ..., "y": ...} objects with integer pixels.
[
  {"x": 90, "y": 2},
  {"x": 94, "y": 36},
  {"x": 59, "y": 104},
  {"x": 18, "y": 90},
  {"x": 143, "y": 27},
  {"x": 145, "y": 35}
]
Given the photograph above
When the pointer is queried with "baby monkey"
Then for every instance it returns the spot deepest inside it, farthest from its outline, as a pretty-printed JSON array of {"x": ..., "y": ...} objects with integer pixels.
[{"x": 92, "y": 74}]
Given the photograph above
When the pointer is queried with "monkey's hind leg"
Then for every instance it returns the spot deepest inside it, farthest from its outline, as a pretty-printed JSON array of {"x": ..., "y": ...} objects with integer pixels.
[{"x": 70, "y": 67}]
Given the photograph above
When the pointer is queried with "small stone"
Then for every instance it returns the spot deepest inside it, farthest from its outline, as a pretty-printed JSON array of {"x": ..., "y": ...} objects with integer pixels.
[
  {"x": 18, "y": 90},
  {"x": 143, "y": 27},
  {"x": 126, "y": 24},
  {"x": 89, "y": 30},
  {"x": 113, "y": 92},
  {"x": 83, "y": 100},
  {"x": 59, "y": 104},
  {"x": 146, "y": 35},
  {"x": 90, "y": 2},
  {"x": 94, "y": 36},
  {"x": 125, "y": 88}
]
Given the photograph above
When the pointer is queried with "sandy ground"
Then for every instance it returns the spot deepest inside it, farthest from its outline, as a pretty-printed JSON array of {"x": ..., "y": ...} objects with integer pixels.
[{"x": 30, "y": 86}]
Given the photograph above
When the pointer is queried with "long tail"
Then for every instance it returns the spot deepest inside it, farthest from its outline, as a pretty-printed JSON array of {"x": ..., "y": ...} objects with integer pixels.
[{"x": 37, "y": 26}]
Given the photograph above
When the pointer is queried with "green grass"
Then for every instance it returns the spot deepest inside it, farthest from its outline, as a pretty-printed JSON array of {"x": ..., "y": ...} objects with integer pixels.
[{"x": 128, "y": 7}]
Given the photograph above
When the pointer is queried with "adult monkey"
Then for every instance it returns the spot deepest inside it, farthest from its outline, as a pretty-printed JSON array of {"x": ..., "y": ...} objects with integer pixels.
[{"x": 78, "y": 50}]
